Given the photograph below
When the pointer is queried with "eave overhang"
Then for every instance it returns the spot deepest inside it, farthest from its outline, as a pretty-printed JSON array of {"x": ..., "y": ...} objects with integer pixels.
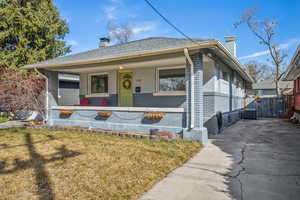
[{"x": 212, "y": 44}]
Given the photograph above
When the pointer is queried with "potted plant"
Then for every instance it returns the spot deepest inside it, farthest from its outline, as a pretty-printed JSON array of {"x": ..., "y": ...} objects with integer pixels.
[
  {"x": 154, "y": 115},
  {"x": 66, "y": 112},
  {"x": 104, "y": 114}
]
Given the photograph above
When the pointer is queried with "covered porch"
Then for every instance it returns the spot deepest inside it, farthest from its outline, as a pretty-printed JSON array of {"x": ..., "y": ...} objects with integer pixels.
[{"x": 137, "y": 94}]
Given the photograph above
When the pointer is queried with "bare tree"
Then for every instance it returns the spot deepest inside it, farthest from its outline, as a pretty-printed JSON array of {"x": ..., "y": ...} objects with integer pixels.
[
  {"x": 21, "y": 91},
  {"x": 122, "y": 33},
  {"x": 264, "y": 30},
  {"x": 259, "y": 71}
]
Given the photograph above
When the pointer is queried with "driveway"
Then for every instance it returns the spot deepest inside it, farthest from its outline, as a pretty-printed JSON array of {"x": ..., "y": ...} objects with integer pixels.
[{"x": 257, "y": 159}]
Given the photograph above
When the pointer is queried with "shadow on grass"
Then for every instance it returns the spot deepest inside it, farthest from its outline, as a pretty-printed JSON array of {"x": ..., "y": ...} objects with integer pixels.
[
  {"x": 37, "y": 162},
  {"x": 6, "y": 146}
]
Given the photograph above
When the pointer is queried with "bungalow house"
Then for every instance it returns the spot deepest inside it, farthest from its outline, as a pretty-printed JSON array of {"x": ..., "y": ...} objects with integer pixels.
[
  {"x": 267, "y": 88},
  {"x": 293, "y": 74},
  {"x": 181, "y": 84}
]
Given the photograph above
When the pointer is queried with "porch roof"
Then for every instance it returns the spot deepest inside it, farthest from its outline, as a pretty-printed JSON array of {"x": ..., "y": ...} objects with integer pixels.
[
  {"x": 120, "y": 50},
  {"x": 141, "y": 48}
]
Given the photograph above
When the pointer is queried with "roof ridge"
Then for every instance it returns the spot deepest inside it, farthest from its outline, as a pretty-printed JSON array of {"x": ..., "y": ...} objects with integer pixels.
[
  {"x": 150, "y": 44},
  {"x": 115, "y": 45}
]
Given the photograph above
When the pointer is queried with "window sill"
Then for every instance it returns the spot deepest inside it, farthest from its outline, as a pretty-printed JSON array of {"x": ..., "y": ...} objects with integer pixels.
[
  {"x": 178, "y": 93},
  {"x": 98, "y": 95}
]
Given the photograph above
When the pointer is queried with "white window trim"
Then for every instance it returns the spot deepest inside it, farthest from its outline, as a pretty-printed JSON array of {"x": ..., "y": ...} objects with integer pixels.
[
  {"x": 166, "y": 93},
  {"x": 90, "y": 94}
]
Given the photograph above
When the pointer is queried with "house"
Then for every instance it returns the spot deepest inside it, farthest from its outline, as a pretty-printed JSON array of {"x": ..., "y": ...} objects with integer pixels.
[
  {"x": 293, "y": 74},
  {"x": 267, "y": 88},
  {"x": 68, "y": 90},
  {"x": 181, "y": 83}
]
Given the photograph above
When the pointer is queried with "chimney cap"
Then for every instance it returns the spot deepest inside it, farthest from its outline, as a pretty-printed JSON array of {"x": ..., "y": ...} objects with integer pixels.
[
  {"x": 104, "y": 42},
  {"x": 104, "y": 39},
  {"x": 229, "y": 38}
]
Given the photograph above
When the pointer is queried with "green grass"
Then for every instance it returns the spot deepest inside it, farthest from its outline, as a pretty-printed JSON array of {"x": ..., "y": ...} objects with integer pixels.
[
  {"x": 3, "y": 119},
  {"x": 45, "y": 164}
]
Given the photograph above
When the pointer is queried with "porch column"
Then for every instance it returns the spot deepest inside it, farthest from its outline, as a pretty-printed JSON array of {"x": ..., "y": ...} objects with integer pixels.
[
  {"x": 195, "y": 131},
  {"x": 53, "y": 84}
]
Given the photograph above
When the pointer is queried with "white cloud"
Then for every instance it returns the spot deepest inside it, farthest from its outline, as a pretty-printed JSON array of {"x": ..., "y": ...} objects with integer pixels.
[
  {"x": 117, "y": 12},
  {"x": 72, "y": 42},
  {"x": 282, "y": 46},
  {"x": 110, "y": 12},
  {"x": 254, "y": 55},
  {"x": 143, "y": 28},
  {"x": 289, "y": 43},
  {"x": 66, "y": 16}
]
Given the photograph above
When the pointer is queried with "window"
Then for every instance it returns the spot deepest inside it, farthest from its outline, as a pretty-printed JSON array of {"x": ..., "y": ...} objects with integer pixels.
[
  {"x": 98, "y": 83},
  {"x": 171, "y": 79},
  {"x": 68, "y": 84},
  {"x": 225, "y": 76}
]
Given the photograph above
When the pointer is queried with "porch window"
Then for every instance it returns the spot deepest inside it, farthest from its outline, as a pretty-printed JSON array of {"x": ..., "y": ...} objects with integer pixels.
[
  {"x": 225, "y": 76},
  {"x": 98, "y": 83},
  {"x": 171, "y": 79}
]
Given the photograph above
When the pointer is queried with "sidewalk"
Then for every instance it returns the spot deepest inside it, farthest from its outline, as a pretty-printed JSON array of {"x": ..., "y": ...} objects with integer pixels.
[
  {"x": 11, "y": 124},
  {"x": 203, "y": 177}
]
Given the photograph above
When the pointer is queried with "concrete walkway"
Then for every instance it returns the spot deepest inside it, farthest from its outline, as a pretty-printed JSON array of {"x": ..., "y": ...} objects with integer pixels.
[
  {"x": 11, "y": 124},
  {"x": 257, "y": 159},
  {"x": 200, "y": 178}
]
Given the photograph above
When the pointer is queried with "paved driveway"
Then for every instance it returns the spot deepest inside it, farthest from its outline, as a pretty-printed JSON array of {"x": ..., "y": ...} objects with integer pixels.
[
  {"x": 266, "y": 156},
  {"x": 257, "y": 159}
]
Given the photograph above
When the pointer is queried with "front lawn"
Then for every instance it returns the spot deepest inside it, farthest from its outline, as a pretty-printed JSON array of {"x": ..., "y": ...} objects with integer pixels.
[
  {"x": 45, "y": 164},
  {"x": 3, "y": 119}
]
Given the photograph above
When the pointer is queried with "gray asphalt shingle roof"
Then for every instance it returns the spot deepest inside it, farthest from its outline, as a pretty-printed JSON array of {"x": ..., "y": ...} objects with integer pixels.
[
  {"x": 270, "y": 84},
  {"x": 130, "y": 48}
]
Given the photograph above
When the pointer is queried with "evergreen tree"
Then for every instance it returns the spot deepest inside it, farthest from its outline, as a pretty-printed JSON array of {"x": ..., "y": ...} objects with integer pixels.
[{"x": 30, "y": 31}]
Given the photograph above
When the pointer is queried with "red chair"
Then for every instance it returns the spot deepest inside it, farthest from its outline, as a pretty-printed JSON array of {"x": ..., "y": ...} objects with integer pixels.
[
  {"x": 104, "y": 102},
  {"x": 84, "y": 102}
]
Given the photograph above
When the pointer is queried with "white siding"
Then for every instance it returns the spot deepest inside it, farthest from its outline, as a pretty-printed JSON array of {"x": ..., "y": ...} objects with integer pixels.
[
  {"x": 144, "y": 78},
  {"x": 68, "y": 97},
  {"x": 83, "y": 85},
  {"x": 209, "y": 75}
]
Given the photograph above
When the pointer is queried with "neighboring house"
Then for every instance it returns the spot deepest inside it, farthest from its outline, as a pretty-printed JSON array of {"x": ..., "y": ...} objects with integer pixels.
[
  {"x": 267, "y": 88},
  {"x": 188, "y": 81},
  {"x": 68, "y": 93},
  {"x": 293, "y": 74}
]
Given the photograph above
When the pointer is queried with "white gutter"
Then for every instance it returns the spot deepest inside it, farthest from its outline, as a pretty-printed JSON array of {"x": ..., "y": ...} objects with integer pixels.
[
  {"x": 47, "y": 101},
  {"x": 187, "y": 55},
  {"x": 235, "y": 61}
]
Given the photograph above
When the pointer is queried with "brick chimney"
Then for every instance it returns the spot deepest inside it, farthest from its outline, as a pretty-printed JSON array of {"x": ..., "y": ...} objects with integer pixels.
[
  {"x": 230, "y": 44},
  {"x": 104, "y": 42}
]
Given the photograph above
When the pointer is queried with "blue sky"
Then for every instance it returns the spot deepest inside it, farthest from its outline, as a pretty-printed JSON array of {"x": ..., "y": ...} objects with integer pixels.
[{"x": 88, "y": 20}]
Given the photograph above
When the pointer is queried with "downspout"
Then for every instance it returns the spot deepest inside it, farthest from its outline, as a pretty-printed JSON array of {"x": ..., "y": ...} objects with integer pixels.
[
  {"x": 187, "y": 55},
  {"x": 47, "y": 103}
]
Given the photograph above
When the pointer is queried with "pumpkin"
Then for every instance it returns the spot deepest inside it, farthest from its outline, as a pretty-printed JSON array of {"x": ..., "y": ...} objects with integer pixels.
[
  {"x": 155, "y": 115},
  {"x": 66, "y": 112},
  {"x": 104, "y": 114}
]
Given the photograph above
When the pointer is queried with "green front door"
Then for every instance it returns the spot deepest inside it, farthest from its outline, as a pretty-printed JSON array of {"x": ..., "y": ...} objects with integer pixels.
[{"x": 125, "y": 89}]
